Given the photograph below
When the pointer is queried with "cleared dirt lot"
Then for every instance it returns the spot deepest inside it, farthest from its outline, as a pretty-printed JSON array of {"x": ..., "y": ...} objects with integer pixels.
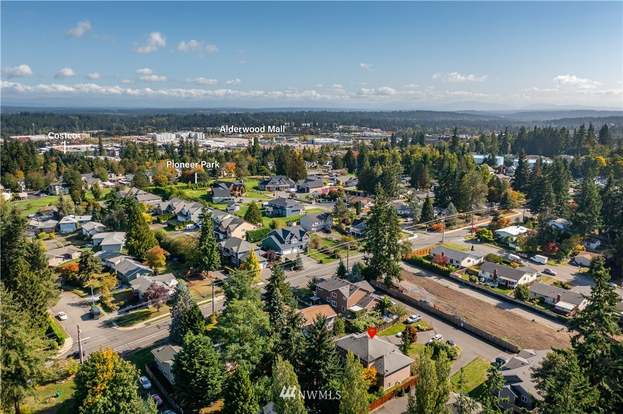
[{"x": 496, "y": 321}]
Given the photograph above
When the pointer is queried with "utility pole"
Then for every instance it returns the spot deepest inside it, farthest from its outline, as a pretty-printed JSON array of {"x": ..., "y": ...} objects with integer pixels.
[
  {"x": 347, "y": 257},
  {"x": 213, "y": 305},
  {"x": 80, "y": 346},
  {"x": 443, "y": 229}
]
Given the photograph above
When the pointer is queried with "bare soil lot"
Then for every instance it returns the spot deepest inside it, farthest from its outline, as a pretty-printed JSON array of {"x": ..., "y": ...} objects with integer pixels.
[{"x": 496, "y": 321}]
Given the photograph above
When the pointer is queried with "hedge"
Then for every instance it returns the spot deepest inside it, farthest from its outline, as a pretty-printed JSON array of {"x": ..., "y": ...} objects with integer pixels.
[
  {"x": 56, "y": 332},
  {"x": 255, "y": 236},
  {"x": 427, "y": 264}
]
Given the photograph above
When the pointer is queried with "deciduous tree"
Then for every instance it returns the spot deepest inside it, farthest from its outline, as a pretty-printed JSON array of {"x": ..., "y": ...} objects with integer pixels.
[{"x": 354, "y": 390}]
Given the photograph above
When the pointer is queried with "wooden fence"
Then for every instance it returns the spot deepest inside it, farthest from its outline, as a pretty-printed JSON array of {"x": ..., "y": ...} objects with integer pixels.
[{"x": 392, "y": 393}]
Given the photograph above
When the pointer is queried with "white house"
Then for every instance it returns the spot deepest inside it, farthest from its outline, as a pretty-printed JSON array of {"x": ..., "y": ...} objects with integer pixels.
[
  {"x": 507, "y": 276},
  {"x": 509, "y": 234},
  {"x": 445, "y": 255}
]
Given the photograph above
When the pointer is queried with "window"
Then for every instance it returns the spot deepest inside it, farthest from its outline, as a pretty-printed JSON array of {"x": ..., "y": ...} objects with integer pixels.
[
  {"x": 334, "y": 294},
  {"x": 524, "y": 398}
]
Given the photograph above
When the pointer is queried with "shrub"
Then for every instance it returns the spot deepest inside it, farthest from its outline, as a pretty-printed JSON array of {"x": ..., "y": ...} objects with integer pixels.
[
  {"x": 255, "y": 236},
  {"x": 427, "y": 264}
]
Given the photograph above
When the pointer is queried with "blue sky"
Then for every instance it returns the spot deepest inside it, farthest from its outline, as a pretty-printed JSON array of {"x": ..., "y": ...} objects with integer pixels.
[{"x": 350, "y": 55}]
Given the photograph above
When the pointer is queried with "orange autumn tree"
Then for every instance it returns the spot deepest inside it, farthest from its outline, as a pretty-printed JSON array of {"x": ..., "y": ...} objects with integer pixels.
[{"x": 156, "y": 258}]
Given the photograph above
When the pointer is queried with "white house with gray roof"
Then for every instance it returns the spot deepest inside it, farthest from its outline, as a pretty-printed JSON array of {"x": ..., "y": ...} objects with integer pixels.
[
  {"x": 445, "y": 255},
  {"x": 564, "y": 301},
  {"x": 501, "y": 275}
]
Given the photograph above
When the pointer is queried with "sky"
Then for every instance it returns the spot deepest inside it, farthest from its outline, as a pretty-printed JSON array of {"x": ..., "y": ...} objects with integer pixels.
[{"x": 383, "y": 55}]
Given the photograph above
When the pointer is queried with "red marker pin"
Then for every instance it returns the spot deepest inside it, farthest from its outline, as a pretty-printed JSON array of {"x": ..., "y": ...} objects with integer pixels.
[{"x": 372, "y": 331}]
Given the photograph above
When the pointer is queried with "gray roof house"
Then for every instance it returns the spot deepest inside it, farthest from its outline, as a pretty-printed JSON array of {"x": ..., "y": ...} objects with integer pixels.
[
  {"x": 37, "y": 226},
  {"x": 310, "y": 184},
  {"x": 142, "y": 197},
  {"x": 392, "y": 366},
  {"x": 287, "y": 240},
  {"x": 111, "y": 242},
  {"x": 237, "y": 250},
  {"x": 283, "y": 207},
  {"x": 276, "y": 183},
  {"x": 141, "y": 284},
  {"x": 129, "y": 269},
  {"x": 564, "y": 301},
  {"x": 71, "y": 223},
  {"x": 62, "y": 254},
  {"x": 446, "y": 255},
  {"x": 519, "y": 389},
  {"x": 231, "y": 226},
  {"x": 164, "y": 357},
  {"x": 190, "y": 212},
  {"x": 507, "y": 276},
  {"x": 358, "y": 228},
  {"x": 317, "y": 222},
  {"x": 91, "y": 228}
]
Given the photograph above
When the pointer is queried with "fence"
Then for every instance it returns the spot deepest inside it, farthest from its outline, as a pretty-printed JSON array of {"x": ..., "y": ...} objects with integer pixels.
[
  {"x": 392, "y": 393},
  {"x": 450, "y": 318},
  {"x": 157, "y": 379}
]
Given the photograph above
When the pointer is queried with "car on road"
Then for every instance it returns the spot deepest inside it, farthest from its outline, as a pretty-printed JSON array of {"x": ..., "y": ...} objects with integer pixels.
[
  {"x": 62, "y": 316},
  {"x": 413, "y": 318},
  {"x": 540, "y": 259},
  {"x": 513, "y": 258},
  {"x": 549, "y": 271},
  {"x": 145, "y": 382},
  {"x": 157, "y": 399},
  {"x": 436, "y": 337}
]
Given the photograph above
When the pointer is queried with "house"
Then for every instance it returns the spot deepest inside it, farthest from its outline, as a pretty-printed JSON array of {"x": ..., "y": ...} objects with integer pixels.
[
  {"x": 457, "y": 258},
  {"x": 62, "y": 254},
  {"x": 519, "y": 391},
  {"x": 172, "y": 206},
  {"x": 392, "y": 366},
  {"x": 232, "y": 207},
  {"x": 91, "y": 228},
  {"x": 232, "y": 226},
  {"x": 237, "y": 250},
  {"x": 287, "y": 240},
  {"x": 564, "y": 301},
  {"x": 71, "y": 223},
  {"x": 317, "y": 222},
  {"x": 283, "y": 207},
  {"x": 36, "y": 226},
  {"x": 89, "y": 180},
  {"x": 585, "y": 259},
  {"x": 403, "y": 209},
  {"x": 141, "y": 284},
  {"x": 310, "y": 184},
  {"x": 111, "y": 242},
  {"x": 311, "y": 313},
  {"x": 57, "y": 189},
  {"x": 276, "y": 183},
  {"x": 164, "y": 357},
  {"x": 509, "y": 234},
  {"x": 190, "y": 212},
  {"x": 507, "y": 276},
  {"x": 142, "y": 197},
  {"x": 358, "y": 228},
  {"x": 129, "y": 269},
  {"x": 560, "y": 224},
  {"x": 222, "y": 192},
  {"x": 343, "y": 295}
]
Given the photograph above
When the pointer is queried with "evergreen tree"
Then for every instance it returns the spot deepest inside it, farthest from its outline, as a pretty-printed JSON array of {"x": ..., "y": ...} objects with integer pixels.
[
  {"x": 598, "y": 353},
  {"x": 588, "y": 210},
  {"x": 89, "y": 267},
  {"x": 605, "y": 138},
  {"x": 563, "y": 385},
  {"x": 22, "y": 353},
  {"x": 341, "y": 270},
  {"x": 198, "y": 372},
  {"x": 239, "y": 285},
  {"x": 464, "y": 404},
  {"x": 276, "y": 310},
  {"x": 291, "y": 340},
  {"x": 521, "y": 179},
  {"x": 139, "y": 238},
  {"x": 432, "y": 388},
  {"x": 354, "y": 390},
  {"x": 286, "y": 392},
  {"x": 451, "y": 214},
  {"x": 106, "y": 383},
  {"x": 185, "y": 315},
  {"x": 253, "y": 214},
  {"x": 277, "y": 280},
  {"x": 428, "y": 212},
  {"x": 208, "y": 257},
  {"x": 489, "y": 398},
  {"x": 239, "y": 394},
  {"x": 383, "y": 240}
]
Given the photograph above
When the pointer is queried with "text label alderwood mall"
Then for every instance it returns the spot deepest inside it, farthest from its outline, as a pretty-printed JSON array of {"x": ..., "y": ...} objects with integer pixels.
[{"x": 264, "y": 129}]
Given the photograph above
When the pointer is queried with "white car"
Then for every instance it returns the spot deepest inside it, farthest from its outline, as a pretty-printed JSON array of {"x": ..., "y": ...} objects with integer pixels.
[
  {"x": 62, "y": 316},
  {"x": 399, "y": 335},
  {"x": 145, "y": 382},
  {"x": 436, "y": 337},
  {"x": 413, "y": 318}
]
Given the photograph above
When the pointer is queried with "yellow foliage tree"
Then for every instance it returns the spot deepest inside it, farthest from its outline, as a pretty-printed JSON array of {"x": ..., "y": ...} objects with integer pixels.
[
  {"x": 369, "y": 376},
  {"x": 156, "y": 258},
  {"x": 252, "y": 265}
]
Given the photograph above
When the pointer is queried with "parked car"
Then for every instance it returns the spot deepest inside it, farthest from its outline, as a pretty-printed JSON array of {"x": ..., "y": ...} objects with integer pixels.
[
  {"x": 513, "y": 257},
  {"x": 157, "y": 399},
  {"x": 540, "y": 259},
  {"x": 499, "y": 361},
  {"x": 436, "y": 337},
  {"x": 145, "y": 382},
  {"x": 413, "y": 318},
  {"x": 549, "y": 271},
  {"x": 62, "y": 316}
]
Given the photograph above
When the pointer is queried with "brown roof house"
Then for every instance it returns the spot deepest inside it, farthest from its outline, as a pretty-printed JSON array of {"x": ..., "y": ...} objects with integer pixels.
[
  {"x": 311, "y": 313},
  {"x": 343, "y": 295},
  {"x": 392, "y": 366}
]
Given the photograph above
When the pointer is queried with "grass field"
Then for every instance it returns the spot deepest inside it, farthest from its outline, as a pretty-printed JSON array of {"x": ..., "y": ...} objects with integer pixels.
[
  {"x": 474, "y": 374},
  {"x": 393, "y": 330},
  {"x": 32, "y": 205},
  {"x": 53, "y": 398},
  {"x": 141, "y": 315}
]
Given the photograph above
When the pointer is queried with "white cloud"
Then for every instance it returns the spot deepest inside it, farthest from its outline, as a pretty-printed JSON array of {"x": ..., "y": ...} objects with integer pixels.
[
  {"x": 82, "y": 28},
  {"x": 459, "y": 77},
  {"x": 204, "y": 81},
  {"x": 65, "y": 73},
  {"x": 18, "y": 71},
  {"x": 572, "y": 80},
  {"x": 148, "y": 75},
  {"x": 233, "y": 82},
  {"x": 366, "y": 66},
  {"x": 155, "y": 41},
  {"x": 196, "y": 46},
  {"x": 93, "y": 76},
  {"x": 337, "y": 86},
  {"x": 126, "y": 81},
  {"x": 382, "y": 91}
]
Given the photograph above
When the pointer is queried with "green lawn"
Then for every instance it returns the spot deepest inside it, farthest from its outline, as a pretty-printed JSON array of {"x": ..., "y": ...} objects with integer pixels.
[
  {"x": 474, "y": 374},
  {"x": 456, "y": 246},
  {"x": 33, "y": 205},
  {"x": 393, "y": 330},
  {"x": 415, "y": 350},
  {"x": 141, "y": 357},
  {"x": 53, "y": 398},
  {"x": 141, "y": 315}
]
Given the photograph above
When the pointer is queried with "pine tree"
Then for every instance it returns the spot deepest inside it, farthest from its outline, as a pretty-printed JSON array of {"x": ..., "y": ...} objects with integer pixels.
[
  {"x": 286, "y": 391},
  {"x": 198, "y": 372},
  {"x": 208, "y": 257},
  {"x": 90, "y": 267},
  {"x": 276, "y": 310},
  {"x": 451, "y": 214},
  {"x": 588, "y": 211},
  {"x": 341, "y": 270},
  {"x": 253, "y": 214},
  {"x": 521, "y": 179},
  {"x": 489, "y": 398},
  {"x": 605, "y": 138},
  {"x": 185, "y": 315},
  {"x": 277, "y": 280},
  {"x": 354, "y": 391},
  {"x": 139, "y": 238},
  {"x": 239, "y": 394},
  {"x": 383, "y": 240},
  {"x": 239, "y": 285},
  {"x": 291, "y": 341},
  {"x": 563, "y": 385},
  {"x": 428, "y": 212}
]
